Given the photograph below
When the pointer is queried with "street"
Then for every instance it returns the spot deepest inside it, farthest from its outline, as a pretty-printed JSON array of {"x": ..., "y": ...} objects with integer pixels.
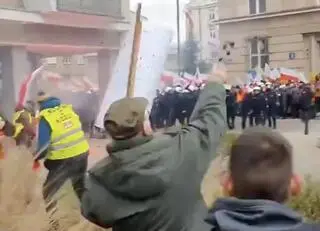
[{"x": 306, "y": 154}]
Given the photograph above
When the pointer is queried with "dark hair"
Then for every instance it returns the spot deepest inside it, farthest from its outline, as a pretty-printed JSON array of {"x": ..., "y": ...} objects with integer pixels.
[
  {"x": 261, "y": 165},
  {"x": 41, "y": 93}
]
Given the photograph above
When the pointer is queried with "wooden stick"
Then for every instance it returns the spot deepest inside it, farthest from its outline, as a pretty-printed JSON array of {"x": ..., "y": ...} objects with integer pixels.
[{"x": 134, "y": 53}]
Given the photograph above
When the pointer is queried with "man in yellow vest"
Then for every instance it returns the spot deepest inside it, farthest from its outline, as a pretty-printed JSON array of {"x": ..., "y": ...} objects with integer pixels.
[
  {"x": 23, "y": 124},
  {"x": 62, "y": 143}
]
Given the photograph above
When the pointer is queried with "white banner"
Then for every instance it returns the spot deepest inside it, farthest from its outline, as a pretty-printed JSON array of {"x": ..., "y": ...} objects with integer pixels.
[{"x": 155, "y": 43}]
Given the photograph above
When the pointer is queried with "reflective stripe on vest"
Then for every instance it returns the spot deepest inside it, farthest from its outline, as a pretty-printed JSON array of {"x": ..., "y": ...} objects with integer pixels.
[
  {"x": 59, "y": 138},
  {"x": 56, "y": 147},
  {"x": 67, "y": 137}
]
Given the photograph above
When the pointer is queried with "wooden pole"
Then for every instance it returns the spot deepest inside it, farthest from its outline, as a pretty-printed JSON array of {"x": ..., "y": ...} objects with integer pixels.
[{"x": 134, "y": 53}]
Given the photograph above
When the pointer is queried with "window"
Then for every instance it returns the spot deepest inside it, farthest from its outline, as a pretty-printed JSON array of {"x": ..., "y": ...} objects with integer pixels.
[
  {"x": 212, "y": 15},
  {"x": 259, "y": 54},
  {"x": 212, "y": 34},
  {"x": 66, "y": 60},
  {"x": 80, "y": 60},
  {"x": 51, "y": 60},
  {"x": 257, "y": 6}
]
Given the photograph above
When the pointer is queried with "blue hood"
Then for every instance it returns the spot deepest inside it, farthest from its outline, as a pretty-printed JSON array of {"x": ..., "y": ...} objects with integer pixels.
[
  {"x": 230, "y": 214},
  {"x": 50, "y": 103}
]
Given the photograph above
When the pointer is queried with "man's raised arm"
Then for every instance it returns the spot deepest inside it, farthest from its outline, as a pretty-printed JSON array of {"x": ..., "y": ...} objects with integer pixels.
[{"x": 208, "y": 120}]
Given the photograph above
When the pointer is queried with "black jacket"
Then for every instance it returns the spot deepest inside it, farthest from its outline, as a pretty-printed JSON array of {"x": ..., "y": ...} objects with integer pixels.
[{"x": 272, "y": 99}]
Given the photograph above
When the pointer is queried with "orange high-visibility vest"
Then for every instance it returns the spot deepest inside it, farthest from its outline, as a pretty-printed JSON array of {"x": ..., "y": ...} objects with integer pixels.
[{"x": 240, "y": 96}]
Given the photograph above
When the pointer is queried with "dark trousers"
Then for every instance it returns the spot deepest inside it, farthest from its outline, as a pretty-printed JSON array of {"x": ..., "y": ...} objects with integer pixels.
[
  {"x": 244, "y": 116},
  {"x": 59, "y": 172},
  {"x": 305, "y": 117},
  {"x": 295, "y": 108},
  {"x": 257, "y": 118},
  {"x": 272, "y": 121},
  {"x": 231, "y": 116}
]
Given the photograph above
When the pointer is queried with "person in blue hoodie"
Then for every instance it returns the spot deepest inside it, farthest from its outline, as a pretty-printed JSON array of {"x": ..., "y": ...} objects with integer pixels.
[
  {"x": 259, "y": 181},
  {"x": 62, "y": 143}
]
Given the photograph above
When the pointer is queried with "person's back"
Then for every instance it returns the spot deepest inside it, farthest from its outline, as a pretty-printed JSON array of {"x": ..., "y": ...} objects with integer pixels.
[
  {"x": 163, "y": 185},
  {"x": 259, "y": 181},
  {"x": 306, "y": 98},
  {"x": 150, "y": 182}
]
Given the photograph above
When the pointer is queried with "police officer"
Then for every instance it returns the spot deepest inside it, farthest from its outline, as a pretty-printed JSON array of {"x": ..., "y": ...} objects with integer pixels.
[
  {"x": 258, "y": 106},
  {"x": 155, "y": 113},
  {"x": 231, "y": 106},
  {"x": 272, "y": 100},
  {"x": 306, "y": 106},
  {"x": 62, "y": 143},
  {"x": 246, "y": 108}
]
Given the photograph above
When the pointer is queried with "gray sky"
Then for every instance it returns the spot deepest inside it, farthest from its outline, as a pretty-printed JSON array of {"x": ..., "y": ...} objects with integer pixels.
[{"x": 162, "y": 12}]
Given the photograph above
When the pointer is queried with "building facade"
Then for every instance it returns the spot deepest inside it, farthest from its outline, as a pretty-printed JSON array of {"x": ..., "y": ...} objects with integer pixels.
[
  {"x": 201, "y": 23},
  {"x": 171, "y": 63},
  {"x": 281, "y": 33},
  {"x": 82, "y": 64},
  {"x": 33, "y": 29}
]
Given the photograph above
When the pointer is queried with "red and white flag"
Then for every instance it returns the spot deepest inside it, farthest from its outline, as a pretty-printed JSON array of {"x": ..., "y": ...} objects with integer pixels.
[{"x": 24, "y": 91}]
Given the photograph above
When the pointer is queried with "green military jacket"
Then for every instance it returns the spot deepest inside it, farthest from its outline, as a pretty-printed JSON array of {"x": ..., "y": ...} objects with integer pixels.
[{"x": 154, "y": 183}]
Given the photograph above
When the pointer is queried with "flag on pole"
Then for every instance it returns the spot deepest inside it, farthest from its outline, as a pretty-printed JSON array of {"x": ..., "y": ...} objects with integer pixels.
[{"x": 24, "y": 91}]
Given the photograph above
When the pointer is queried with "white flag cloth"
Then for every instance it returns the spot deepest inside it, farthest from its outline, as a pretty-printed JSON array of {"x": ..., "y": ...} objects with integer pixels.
[{"x": 154, "y": 47}]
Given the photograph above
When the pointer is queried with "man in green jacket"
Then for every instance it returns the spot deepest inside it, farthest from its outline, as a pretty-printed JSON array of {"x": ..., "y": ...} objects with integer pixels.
[{"x": 152, "y": 182}]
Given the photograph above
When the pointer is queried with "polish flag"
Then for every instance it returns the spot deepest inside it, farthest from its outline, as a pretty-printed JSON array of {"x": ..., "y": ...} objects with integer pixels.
[
  {"x": 287, "y": 74},
  {"x": 24, "y": 91}
]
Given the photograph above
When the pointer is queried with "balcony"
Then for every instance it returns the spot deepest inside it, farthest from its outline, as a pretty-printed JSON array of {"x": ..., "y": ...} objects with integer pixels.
[{"x": 96, "y": 7}]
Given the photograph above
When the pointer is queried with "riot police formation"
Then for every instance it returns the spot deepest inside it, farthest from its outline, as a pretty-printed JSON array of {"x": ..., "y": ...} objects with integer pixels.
[
  {"x": 173, "y": 104},
  {"x": 257, "y": 104}
]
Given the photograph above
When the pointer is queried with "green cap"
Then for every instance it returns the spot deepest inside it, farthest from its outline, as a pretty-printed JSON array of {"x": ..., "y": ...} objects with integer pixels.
[{"x": 127, "y": 112}]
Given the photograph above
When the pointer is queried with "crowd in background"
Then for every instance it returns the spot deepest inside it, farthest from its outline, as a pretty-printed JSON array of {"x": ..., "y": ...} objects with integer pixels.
[{"x": 259, "y": 103}]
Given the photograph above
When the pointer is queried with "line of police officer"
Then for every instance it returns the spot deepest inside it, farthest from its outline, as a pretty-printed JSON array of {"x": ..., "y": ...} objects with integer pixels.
[
  {"x": 257, "y": 107},
  {"x": 173, "y": 104},
  {"x": 259, "y": 104}
]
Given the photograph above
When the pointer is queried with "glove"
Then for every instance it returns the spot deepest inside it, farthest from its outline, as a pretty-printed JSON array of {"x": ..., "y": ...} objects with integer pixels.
[{"x": 36, "y": 165}]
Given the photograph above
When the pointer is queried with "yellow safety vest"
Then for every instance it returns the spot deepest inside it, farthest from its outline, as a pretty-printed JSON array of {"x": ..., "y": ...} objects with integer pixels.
[
  {"x": 19, "y": 126},
  {"x": 67, "y": 137}
]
